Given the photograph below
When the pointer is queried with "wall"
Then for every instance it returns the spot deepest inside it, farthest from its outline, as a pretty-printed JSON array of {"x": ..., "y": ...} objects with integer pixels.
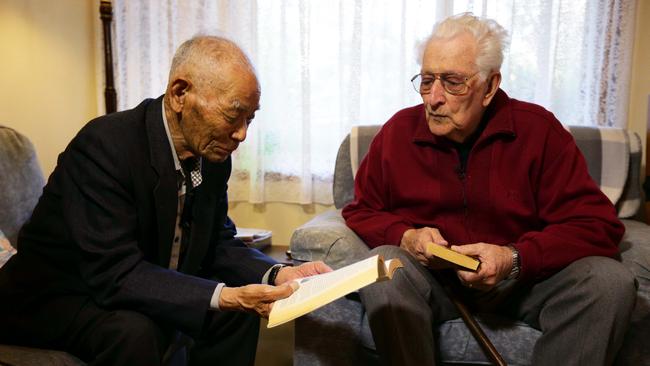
[
  {"x": 49, "y": 51},
  {"x": 640, "y": 85},
  {"x": 47, "y": 71},
  {"x": 283, "y": 218}
]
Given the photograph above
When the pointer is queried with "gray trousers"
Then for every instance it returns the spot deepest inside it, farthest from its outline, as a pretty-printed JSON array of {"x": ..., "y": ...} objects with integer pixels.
[{"x": 583, "y": 311}]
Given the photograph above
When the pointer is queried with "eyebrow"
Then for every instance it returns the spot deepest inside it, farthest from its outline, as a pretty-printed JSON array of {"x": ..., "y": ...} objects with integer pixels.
[
  {"x": 238, "y": 107},
  {"x": 444, "y": 73}
]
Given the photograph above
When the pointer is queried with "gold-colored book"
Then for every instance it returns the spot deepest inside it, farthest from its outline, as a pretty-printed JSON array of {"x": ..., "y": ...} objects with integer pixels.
[{"x": 462, "y": 260}]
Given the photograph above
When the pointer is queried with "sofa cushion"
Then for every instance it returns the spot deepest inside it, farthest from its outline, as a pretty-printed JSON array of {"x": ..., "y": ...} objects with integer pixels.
[
  {"x": 327, "y": 238},
  {"x": 23, "y": 356},
  {"x": 613, "y": 159},
  {"x": 635, "y": 255},
  {"x": 457, "y": 345},
  {"x": 21, "y": 181}
]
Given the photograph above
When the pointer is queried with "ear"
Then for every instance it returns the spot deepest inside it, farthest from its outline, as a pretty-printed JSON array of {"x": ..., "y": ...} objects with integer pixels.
[
  {"x": 493, "y": 82},
  {"x": 178, "y": 92}
]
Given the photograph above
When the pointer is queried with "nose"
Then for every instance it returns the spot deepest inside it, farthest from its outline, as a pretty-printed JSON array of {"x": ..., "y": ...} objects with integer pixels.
[
  {"x": 435, "y": 96},
  {"x": 239, "y": 134}
]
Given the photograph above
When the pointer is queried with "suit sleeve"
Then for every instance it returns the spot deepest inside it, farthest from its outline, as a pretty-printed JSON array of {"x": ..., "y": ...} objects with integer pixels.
[
  {"x": 229, "y": 259},
  {"x": 369, "y": 214},
  {"x": 101, "y": 216}
]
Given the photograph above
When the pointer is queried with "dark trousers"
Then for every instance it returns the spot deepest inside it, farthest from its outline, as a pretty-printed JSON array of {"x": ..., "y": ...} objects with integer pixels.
[
  {"x": 123, "y": 337},
  {"x": 583, "y": 311}
]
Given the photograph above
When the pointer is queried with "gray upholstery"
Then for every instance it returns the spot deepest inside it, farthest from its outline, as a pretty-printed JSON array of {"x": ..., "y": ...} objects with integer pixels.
[
  {"x": 342, "y": 325},
  {"x": 23, "y": 356},
  {"x": 21, "y": 183}
]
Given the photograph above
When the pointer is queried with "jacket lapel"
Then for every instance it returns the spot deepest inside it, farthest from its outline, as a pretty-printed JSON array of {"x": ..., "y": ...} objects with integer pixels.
[
  {"x": 165, "y": 192},
  {"x": 205, "y": 205}
]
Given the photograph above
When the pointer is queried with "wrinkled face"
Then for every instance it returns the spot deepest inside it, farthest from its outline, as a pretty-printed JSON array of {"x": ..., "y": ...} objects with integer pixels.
[
  {"x": 453, "y": 116},
  {"x": 215, "y": 121}
]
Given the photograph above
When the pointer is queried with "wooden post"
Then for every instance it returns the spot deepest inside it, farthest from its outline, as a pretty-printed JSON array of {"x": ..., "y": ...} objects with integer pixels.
[
  {"x": 106, "y": 15},
  {"x": 646, "y": 184}
]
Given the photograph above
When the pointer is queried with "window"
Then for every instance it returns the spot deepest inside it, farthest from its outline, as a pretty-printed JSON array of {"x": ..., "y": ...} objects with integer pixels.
[{"x": 325, "y": 66}]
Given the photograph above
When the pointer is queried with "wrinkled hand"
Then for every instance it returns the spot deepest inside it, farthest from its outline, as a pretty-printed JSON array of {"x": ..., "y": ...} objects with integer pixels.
[
  {"x": 256, "y": 299},
  {"x": 496, "y": 264},
  {"x": 415, "y": 242},
  {"x": 287, "y": 274}
]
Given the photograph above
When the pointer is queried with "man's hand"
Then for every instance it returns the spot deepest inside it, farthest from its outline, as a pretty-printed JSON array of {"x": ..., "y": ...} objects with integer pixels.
[
  {"x": 415, "y": 242},
  {"x": 256, "y": 299},
  {"x": 287, "y": 274},
  {"x": 496, "y": 264},
  {"x": 259, "y": 299}
]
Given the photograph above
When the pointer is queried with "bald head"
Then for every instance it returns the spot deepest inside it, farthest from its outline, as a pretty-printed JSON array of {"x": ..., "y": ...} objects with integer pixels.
[
  {"x": 211, "y": 98},
  {"x": 205, "y": 60}
]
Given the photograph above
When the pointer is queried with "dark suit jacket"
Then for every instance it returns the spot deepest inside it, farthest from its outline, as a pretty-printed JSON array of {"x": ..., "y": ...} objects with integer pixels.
[{"x": 103, "y": 228}]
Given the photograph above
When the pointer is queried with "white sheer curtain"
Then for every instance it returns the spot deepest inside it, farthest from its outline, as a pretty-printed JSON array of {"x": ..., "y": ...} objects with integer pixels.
[{"x": 325, "y": 66}]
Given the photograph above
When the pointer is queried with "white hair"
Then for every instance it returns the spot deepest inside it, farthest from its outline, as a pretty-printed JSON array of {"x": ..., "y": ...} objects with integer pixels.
[{"x": 491, "y": 39}]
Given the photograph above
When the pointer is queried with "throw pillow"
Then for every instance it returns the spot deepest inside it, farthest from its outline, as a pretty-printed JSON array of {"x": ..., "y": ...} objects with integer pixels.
[{"x": 6, "y": 250}]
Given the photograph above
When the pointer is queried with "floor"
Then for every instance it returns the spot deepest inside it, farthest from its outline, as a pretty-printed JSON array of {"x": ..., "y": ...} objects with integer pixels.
[{"x": 275, "y": 346}]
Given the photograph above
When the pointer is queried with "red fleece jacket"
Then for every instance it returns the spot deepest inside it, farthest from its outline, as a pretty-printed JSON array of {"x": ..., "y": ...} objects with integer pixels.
[{"x": 526, "y": 183}]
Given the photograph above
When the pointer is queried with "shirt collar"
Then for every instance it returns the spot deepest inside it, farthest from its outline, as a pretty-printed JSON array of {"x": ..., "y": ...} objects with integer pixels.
[{"x": 177, "y": 162}]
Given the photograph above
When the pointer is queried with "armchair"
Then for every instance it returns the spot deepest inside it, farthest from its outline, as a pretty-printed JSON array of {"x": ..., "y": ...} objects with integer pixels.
[
  {"x": 338, "y": 334},
  {"x": 22, "y": 183}
]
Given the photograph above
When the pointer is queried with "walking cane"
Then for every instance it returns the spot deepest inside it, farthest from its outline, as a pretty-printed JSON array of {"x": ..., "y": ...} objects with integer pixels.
[{"x": 473, "y": 326}]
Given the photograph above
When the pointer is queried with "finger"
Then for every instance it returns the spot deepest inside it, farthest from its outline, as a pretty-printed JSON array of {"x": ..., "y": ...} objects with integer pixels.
[
  {"x": 467, "y": 249},
  {"x": 285, "y": 290},
  {"x": 294, "y": 286},
  {"x": 437, "y": 238},
  {"x": 321, "y": 267}
]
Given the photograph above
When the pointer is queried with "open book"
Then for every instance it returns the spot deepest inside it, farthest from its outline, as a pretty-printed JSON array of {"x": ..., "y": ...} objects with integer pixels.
[
  {"x": 254, "y": 238},
  {"x": 319, "y": 290},
  {"x": 462, "y": 260}
]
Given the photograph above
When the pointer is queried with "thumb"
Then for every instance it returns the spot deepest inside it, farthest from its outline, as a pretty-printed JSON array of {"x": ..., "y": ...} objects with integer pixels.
[{"x": 286, "y": 289}]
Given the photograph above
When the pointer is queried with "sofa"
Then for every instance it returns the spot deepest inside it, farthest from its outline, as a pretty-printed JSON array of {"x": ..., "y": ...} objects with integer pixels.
[
  {"x": 21, "y": 184},
  {"x": 338, "y": 333}
]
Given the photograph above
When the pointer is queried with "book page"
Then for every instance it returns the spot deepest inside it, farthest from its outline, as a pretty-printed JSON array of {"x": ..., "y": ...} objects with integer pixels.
[
  {"x": 316, "y": 291},
  {"x": 315, "y": 285}
]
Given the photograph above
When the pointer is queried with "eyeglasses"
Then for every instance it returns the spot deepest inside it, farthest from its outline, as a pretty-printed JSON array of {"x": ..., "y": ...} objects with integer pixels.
[{"x": 454, "y": 84}]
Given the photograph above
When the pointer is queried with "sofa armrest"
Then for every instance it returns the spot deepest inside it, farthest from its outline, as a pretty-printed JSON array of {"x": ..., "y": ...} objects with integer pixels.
[
  {"x": 327, "y": 238},
  {"x": 635, "y": 249},
  {"x": 635, "y": 255}
]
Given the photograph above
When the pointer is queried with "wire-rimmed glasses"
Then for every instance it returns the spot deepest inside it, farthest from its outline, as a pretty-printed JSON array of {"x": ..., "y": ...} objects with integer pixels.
[{"x": 452, "y": 83}]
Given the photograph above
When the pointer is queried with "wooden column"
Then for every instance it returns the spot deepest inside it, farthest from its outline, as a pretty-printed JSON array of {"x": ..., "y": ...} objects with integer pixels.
[
  {"x": 646, "y": 184},
  {"x": 106, "y": 15}
]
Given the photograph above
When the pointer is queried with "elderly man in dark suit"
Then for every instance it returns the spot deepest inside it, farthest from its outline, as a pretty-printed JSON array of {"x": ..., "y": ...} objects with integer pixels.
[{"x": 131, "y": 243}]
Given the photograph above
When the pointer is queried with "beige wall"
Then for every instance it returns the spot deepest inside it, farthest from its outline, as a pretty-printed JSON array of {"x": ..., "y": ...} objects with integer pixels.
[
  {"x": 48, "y": 89},
  {"x": 281, "y": 218},
  {"x": 47, "y": 71},
  {"x": 640, "y": 86}
]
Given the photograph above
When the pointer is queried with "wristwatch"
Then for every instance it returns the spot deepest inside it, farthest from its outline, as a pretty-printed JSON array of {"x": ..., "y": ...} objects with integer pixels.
[
  {"x": 516, "y": 264},
  {"x": 274, "y": 273}
]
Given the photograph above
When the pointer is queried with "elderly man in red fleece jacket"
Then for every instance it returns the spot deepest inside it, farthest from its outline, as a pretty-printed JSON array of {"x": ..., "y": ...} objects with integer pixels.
[{"x": 497, "y": 179}]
